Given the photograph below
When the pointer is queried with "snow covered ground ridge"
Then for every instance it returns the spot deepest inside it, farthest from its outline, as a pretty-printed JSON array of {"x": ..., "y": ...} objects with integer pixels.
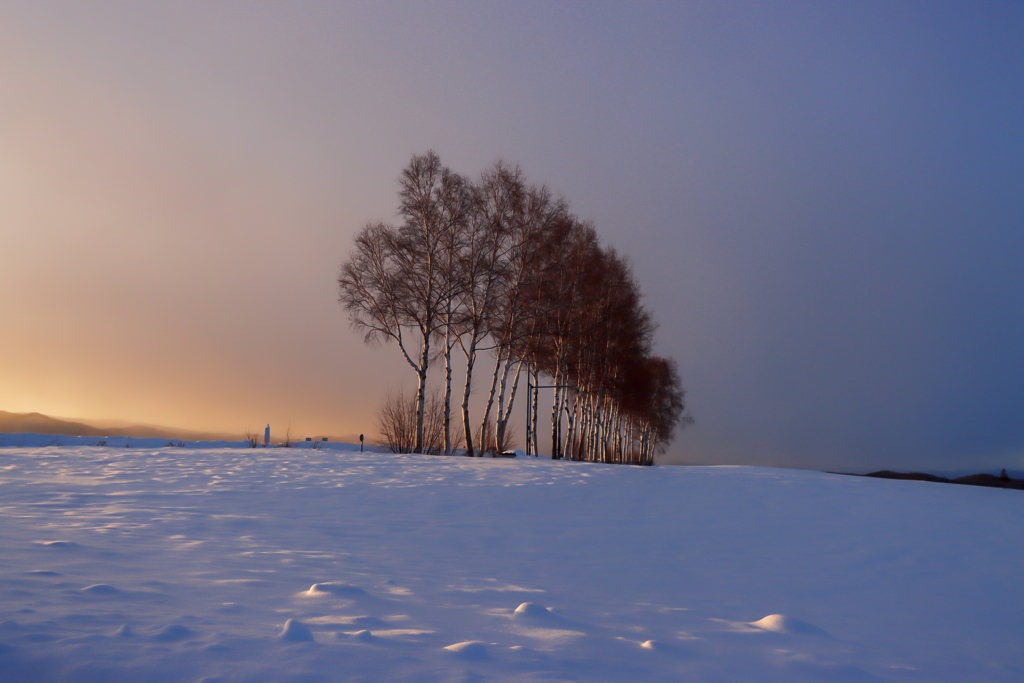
[{"x": 263, "y": 565}]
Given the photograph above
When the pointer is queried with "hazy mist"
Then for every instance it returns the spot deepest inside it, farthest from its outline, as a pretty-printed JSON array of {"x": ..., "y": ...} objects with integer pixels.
[{"x": 823, "y": 203}]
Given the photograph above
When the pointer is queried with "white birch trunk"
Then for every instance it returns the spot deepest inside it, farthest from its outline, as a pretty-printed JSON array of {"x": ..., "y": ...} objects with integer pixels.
[
  {"x": 504, "y": 416},
  {"x": 490, "y": 404},
  {"x": 421, "y": 393},
  {"x": 535, "y": 413},
  {"x": 447, "y": 391},
  {"x": 570, "y": 426}
]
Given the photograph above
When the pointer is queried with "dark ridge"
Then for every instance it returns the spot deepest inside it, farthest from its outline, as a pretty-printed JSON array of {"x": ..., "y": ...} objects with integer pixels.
[
  {"x": 990, "y": 480},
  {"x": 912, "y": 476}
]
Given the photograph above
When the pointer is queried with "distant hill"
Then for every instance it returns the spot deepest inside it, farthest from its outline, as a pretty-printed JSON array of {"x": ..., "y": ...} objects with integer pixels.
[
  {"x": 1003, "y": 482},
  {"x": 37, "y": 423}
]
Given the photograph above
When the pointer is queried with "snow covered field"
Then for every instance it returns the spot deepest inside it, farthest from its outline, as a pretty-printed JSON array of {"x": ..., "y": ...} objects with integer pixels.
[{"x": 180, "y": 564}]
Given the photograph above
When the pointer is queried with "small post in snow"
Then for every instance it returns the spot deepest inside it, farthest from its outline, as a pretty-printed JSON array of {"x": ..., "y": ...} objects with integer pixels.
[
  {"x": 360, "y": 443},
  {"x": 266, "y": 436}
]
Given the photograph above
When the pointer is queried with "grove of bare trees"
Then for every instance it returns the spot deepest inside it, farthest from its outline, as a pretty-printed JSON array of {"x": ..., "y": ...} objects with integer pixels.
[{"x": 499, "y": 265}]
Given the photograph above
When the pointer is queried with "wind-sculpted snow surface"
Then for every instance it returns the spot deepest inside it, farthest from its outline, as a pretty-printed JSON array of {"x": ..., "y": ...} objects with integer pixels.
[{"x": 171, "y": 564}]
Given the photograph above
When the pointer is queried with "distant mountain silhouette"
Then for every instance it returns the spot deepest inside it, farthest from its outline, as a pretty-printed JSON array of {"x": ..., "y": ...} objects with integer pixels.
[
  {"x": 37, "y": 423},
  {"x": 1003, "y": 482}
]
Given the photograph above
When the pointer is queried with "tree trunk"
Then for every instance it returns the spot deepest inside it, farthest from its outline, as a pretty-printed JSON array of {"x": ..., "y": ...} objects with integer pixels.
[
  {"x": 470, "y": 361},
  {"x": 534, "y": 413},
  {"x": 556, "y": 421},
  {"x": 507, "y": 414},
  {"x": 490, "y": 403},
  {"x": 570, "y": 425},
  {"x": 447, "y": 391}
]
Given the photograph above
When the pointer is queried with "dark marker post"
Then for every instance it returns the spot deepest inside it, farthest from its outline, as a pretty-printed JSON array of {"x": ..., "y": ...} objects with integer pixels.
[{"x": 360, "y": 443}]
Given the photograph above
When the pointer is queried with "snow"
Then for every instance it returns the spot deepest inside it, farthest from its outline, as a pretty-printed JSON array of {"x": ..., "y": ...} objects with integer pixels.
[
  {"x": 470, "y": 649},
  {"x": 531, "y": 610},
  {"x": 156, "y": 563},
  {"x": 296, "y": 632},
  {"x": 780, "y": 623}
]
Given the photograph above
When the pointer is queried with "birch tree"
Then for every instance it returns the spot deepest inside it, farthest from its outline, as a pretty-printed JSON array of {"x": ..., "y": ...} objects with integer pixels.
[
  {"x": 500, "y": 265},
  {"x": 481, "y": 270},
  {"x": 393, "y": 283},
  {"x": 372, "y": 290},
  {"x": 513, "y": 327}
]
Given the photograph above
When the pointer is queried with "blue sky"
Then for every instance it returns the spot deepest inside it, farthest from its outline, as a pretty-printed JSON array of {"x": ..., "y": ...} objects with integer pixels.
[{"x": 823, "y": 203}]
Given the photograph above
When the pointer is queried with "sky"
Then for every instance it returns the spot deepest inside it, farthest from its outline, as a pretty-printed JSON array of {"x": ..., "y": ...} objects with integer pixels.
[{"x": 823, "y": 203}]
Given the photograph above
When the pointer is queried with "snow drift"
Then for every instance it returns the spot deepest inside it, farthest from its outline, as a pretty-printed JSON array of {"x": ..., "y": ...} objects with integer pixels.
[{"x": 184, "y": 564}]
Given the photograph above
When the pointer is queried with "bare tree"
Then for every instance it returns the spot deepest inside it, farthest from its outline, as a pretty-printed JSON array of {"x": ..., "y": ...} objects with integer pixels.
[
  {"x": 393, "y": 283},
  {"x": 457, "y": 200},
  {"x": 500, "y": 265},
  {"x": 559, "y": 298},
  {"x": 594, "y": 342},
  {"x": 513, "y": 327},
  {"x": 482, "y": 270},
  {"x": 373, "y": 290},
  {"x": 397, "y": 418}
]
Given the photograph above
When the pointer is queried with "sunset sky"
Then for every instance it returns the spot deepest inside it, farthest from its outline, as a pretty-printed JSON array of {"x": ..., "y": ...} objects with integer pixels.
[{"x": 823, "y": 202}]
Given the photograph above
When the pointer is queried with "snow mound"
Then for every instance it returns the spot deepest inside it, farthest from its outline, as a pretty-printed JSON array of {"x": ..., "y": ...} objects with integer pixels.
[
  {"x": 174, "y": 632},
  {"x": 470, "y": 649},
  {"x": 65, "y": 545},
  {"x": 125, "y": 631},
  {"x": 100, "y": 589},
  {"x": 532, "y": 610},
  {"x": 296, "y": 632},
  {"x": 673, "y": 649},
  {"x": 339, "y": 589},
  {"x": 237, "y": 537},
  {"x": 780, "y": 623}
]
